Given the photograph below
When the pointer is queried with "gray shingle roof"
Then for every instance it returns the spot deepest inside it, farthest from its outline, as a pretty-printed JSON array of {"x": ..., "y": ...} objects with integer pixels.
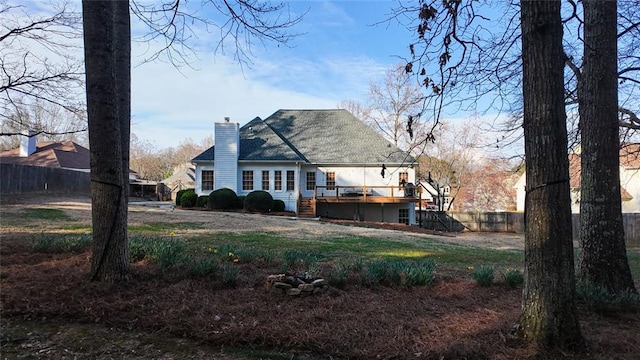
[{"x": 314, "y": 136}]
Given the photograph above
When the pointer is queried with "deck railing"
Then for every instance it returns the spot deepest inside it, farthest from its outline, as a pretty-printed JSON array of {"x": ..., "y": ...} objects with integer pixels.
[{"x": 364, "y": 191}]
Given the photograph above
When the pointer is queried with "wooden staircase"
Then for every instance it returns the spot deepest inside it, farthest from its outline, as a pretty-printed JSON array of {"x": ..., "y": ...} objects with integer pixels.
[{"x": 306, "y": 208}]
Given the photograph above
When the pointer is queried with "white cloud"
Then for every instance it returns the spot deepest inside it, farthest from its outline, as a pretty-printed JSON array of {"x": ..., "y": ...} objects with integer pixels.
[{"x": 169, "y": 105}]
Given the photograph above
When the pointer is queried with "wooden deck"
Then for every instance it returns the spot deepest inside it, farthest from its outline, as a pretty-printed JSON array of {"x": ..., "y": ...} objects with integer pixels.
[{"x": 368, "y": 194}]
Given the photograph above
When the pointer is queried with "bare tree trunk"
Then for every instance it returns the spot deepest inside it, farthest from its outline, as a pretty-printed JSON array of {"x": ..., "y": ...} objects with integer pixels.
[
  {"x": 603, "y": 257},
  {"x": 106, "y": 111},
  {"x": 548, "y": 315}
]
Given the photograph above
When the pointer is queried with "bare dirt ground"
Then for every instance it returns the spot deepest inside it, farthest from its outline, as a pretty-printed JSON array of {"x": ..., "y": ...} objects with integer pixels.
[{"x": 50, "y": 311}]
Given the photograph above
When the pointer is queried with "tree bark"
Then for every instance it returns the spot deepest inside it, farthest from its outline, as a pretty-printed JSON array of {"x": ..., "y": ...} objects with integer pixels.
[
  {"x": 603, "y": 256},
  {"x": 548, "y": 315},
  {"x": 107, "y": 117}
]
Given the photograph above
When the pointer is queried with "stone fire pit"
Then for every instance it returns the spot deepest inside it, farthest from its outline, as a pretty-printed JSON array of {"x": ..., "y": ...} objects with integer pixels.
[{"x": 295, "y": 284}]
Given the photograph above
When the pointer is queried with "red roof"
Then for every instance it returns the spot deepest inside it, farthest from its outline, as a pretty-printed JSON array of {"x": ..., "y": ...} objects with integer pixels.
[{"x": 65, "y": 154}]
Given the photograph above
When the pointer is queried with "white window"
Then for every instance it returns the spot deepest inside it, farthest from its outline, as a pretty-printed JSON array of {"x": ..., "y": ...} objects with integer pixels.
[
  {"x": 311, "y": 180},
  {"x": 247, "y": 180},
  {"x": 278, "y": 180},
  {"x": 265, "y": 180},
  {"x": 403, "y": 178},
  {"x": 290, "y": 180},
  {"x": 331, "y": 181},
  {"x": 207, "y": 180}
]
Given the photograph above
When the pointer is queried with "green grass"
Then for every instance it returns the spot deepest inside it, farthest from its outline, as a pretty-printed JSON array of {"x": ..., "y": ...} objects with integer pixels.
[
  {"x": 371, "y": 248},
  {"x": 161, "y": 227},
  {"x": 45, "y": 214}
]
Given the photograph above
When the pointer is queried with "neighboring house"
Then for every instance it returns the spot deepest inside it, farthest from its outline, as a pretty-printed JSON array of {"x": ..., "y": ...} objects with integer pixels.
[
  {"x": 489, "y": 189},
  {"x": 64, "y": 154},
  {"x": 181, "y": 179},
  {"x": 433, "y": 199},
  {"x": 69, "y": 156},
  {"x": 322, "y": 163},
  {"x": 629, "y": 181}
]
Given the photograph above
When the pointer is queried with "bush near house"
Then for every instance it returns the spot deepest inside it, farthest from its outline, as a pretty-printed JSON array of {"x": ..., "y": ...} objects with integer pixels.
[
  {"x": 223, "y": 199},
  {"x": 278, "y": 205},
  {"x": 203, "y": 201},
  {"x": 189, "y": 198},
  {"x": 179, "y": 195},
  {"x": 259, "y": 200},
  {"x": 241, "y": 201}
]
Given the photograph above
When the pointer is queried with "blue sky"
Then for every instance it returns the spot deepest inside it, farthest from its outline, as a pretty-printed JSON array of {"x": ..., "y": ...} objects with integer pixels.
[{"x": 336, "y": 56}]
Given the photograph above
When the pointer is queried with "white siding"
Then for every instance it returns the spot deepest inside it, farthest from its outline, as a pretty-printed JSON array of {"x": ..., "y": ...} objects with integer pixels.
[
  {"x": 290, "y": 198},
  {"x": 225, "y": 170},
  {"x": 356, "y": 176},
  {"x": 198, "y": 179}
]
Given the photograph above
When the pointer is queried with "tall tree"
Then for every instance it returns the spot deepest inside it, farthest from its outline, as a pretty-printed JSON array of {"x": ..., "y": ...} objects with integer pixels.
[
  {"x": 449, "y": 160},
  {"x": 603, "y": 256},
  {"x": 107, "y": 45},
  {"x": 392, "y": 101},
  {"x": 548, "y": 303},
  {"x": 107, "y": 48}
]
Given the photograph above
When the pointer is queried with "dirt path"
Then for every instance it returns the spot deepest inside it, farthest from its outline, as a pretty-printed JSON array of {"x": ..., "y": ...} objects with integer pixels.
[{"x": 79, "y": 208}]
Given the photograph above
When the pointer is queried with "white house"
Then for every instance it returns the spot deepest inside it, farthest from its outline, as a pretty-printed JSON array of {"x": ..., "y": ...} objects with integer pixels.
[
  {"x": 629, "y": 181},
  {"x": 323, "y": 163}
]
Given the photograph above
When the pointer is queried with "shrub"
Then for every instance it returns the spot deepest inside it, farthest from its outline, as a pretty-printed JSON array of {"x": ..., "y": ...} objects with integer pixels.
[
  {"x": 203, "y": 267},
  {"x": 139, "y": 248},
  {"x": 240, "y": 204},
  {"x": 52, "y": 243},
  {"x": 600, "y": 300},
  {"x": 376, "y": 271},
  {"x": 223, "y": 199},
  {"x": 259, "y": 200},
  {"x": 513, "y": 277},
  {"x": 483, "y": 275},
  {"x": 230, "y": 275},
  {"x": 203, "y": 201},
  {"x": 189, "y": 198},
  {"x": 168, "y": 253},
  {"x": 278, "y": 205},
  {"x": 179, "y": 196},
  {"x": 246, "y": 255},
  {"x": 337, "y": 275},
  {"x": 421, "y": 273}
]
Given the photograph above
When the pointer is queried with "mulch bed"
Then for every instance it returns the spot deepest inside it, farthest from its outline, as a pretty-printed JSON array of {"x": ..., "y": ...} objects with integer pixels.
[{"x": 452, "y": 319}]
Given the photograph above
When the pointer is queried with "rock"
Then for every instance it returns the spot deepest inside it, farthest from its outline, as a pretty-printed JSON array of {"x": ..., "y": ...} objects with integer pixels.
[
  {"x": 318, "y": 282},
  {"x": 294, "y": 292},
  {"x": 281, "y": 285},
  {"x": 306, "y": 287}
]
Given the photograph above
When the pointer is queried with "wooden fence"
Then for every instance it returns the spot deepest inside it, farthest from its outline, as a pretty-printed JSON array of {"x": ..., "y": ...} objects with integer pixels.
[
  {"x": 511, "y": 222},
  {"x": 21, "y": 179}
]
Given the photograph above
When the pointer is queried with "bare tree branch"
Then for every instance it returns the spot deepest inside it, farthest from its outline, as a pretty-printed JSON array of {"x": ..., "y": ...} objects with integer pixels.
[{"x": 242, "y": 22}]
